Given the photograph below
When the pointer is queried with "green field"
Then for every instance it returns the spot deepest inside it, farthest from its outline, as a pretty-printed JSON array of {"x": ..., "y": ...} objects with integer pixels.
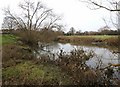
[{"x": 7, "y": 39}]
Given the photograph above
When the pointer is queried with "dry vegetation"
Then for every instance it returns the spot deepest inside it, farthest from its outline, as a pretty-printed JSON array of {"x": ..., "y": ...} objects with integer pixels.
[
  {"x": 13, "y": 54},
  {"x": 32, "y": 37},
  {"x": 96, "y": 39}
]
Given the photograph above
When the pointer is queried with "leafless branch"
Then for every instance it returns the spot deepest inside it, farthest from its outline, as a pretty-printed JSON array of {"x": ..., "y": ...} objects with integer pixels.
[
  {"x": 33, "y": 15},
  {"x": 99, "y": 5}
]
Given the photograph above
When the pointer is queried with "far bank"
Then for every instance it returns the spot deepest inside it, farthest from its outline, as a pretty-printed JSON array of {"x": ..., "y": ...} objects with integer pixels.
[{"x": 99, "y": 40}]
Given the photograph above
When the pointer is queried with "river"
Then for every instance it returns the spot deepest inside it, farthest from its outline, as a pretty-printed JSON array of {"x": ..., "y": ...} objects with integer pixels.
[{"x": 102, "y": 57}]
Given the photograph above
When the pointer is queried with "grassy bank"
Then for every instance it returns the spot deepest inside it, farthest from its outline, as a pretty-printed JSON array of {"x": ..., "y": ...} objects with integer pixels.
[
  {"x": 30, "y": 73},
  {"x": 7, "y": 39},
  {"x": 91, "y": 39},
  {"x": 19, "y": 67}
]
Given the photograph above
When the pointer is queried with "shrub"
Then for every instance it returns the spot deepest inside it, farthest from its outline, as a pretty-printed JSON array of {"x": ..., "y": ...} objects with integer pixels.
[
  {"x": 48, "y": 35},
  {"x": 29, "y": 37},
  {"x": 32, "y": 37},
  {"x": 74, "y": 64}
]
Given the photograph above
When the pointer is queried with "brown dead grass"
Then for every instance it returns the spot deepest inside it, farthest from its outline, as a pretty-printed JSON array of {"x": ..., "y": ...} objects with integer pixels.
[{"x": 104, "y": 40}]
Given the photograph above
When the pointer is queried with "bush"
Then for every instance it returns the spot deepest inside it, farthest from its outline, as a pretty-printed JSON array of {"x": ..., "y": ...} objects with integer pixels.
[
  {"x": 75, "y": 64},
  {"x": 29, "y": 37},
  {"x": 48, "y": 35},
  {"x": 32, "y": 37}
]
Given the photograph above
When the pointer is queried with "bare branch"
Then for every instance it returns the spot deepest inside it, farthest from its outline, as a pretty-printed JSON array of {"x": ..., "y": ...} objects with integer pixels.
[
  {"x": 7, "y": 11},
  {"x": 53, "y": 20},
  {"x": 104, "y": 7},
  {"x": 99, "y": 5},
  {"x": 41, "y": 21},
  {"x": 33, "y": 15},
  {"x": 42, "y": 17}
]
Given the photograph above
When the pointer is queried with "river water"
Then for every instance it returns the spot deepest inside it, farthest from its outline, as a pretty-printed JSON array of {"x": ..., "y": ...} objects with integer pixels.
[{"x": 102, "y": 58}]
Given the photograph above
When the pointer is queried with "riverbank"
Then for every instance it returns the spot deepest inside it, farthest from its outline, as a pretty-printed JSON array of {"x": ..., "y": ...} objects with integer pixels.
[
  {"x": 99, "y": 40},
  {"x": 20, "y": 67}
]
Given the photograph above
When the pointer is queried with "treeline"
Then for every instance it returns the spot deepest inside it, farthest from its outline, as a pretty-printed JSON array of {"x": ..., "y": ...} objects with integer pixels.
[
  {"x": 102, "y": 31},
  {"x": 105, "y": 32}
]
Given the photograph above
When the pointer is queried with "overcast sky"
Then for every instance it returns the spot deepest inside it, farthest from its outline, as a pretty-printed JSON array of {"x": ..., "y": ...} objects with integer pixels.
[{"x": 74, "y": 13}]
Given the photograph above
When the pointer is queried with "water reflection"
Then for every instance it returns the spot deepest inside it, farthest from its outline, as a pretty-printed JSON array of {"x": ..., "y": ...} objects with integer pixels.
[
  {"x": 103, "y": 55},
  {"x": 102, "y": 58}
]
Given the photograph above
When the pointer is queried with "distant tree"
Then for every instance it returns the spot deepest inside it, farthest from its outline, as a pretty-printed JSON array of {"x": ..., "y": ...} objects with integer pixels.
[
  {"x": 8, "y": 23},
  {"x": 72, "y": 31},
  {"x": 104, "y": 30},
  {"x": 78, "y": 32},
  {"x": 86, "y": 33},
  {"x": 93, "y": 33}
]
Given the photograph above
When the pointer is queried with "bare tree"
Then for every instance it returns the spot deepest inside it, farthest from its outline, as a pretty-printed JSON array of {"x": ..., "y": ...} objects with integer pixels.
[
  {"x": 33, "y": 15},
  {"x": 71, "y": 31},
  {"x": 31, "y": 20}
]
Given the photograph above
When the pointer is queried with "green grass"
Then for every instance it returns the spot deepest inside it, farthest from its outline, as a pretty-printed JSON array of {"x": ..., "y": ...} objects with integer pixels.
[
  {"x": 31, "y": 73},
  {"x": 7, "y": 39}
]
